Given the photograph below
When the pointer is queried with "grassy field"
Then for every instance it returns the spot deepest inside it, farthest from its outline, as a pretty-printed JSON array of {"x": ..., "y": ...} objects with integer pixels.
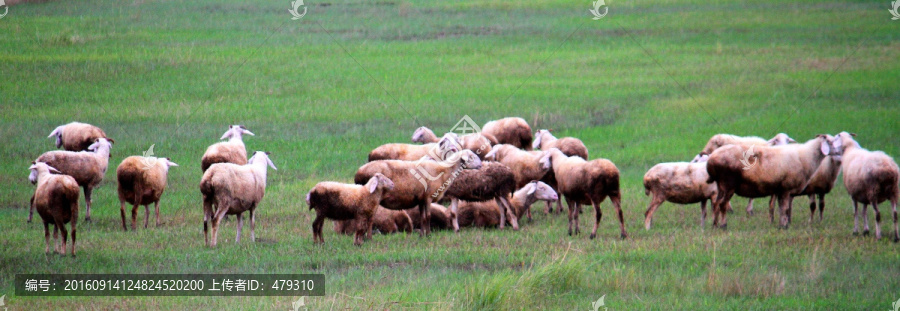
[{"x": 649, "y": 83}]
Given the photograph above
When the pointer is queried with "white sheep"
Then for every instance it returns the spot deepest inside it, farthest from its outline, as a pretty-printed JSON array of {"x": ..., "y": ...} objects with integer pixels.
[
  {"x": 764, "y": 171},
  {"x": 87, "y": 167},
  {"x": 229, "y": 188},
  {"x": 870, "y": 177},
  {"x": 680, "y": 183},
  {"x": 56, "y": 200},
  {"x": 488, "y": 213},
  {"x": 142, "y": 181},
  {"x": 231, "y": 151},
  {"x": 339, "y": 201},
  {"x": 514, "y": 131},
  {"x": 76, "y": 136}
]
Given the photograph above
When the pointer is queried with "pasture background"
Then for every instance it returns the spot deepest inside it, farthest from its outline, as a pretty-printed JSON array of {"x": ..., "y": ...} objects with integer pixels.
[{"x": 649, "y": 83}]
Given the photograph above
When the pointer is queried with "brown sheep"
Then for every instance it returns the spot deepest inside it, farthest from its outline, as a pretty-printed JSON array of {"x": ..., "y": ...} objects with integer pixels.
[
  {"x": 587, "y": 182},
  {"x": 56, "y": 200},
  {"x": 491, "y": 182},
  {"x": 385, "y": 221},
  {"x": 233, "y": 189},
  {"x": 339, "y": 201},
  {"x": 479, "y": 144},
  {"x": 77, "y": 136},
  {"x": 439, "y": 217},
  {"x": 569, "y": 146},
  {"x": 404, "y": 152},
  {"x": 142, "y": 181},
  {"x": 870, "y": 177},
  {"x": 231, "y": 151},
  {"x": 87, "y": 167},
  {"x": 757, "y": 171},
  {"x": 513, "y": 131},
  {"x": 418, "y": 183},
  {"x": 526, "y": 166},
  {"x": 487, "y": 213}
]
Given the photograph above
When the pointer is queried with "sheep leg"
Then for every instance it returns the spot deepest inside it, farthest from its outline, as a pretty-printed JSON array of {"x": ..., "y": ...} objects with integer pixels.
[
  {"x": 146, "y": 215},
  {"x": 156, "y": 205},
  {"x": 207, "y": 211},
  {"x": 894, "y": 212},
  {"x": 877, "y": 220},
  {"x": 559, "y": 208},
  {"x": 571, "y": 211},
  {"x": 65, "y": 235},
  {"x": 597, "y": 216},
  {"x": 702, "y": 214},
  {"x": 549, "y": 207},
  {"x": 122, "y": 213},
  {"x": 424, "y": 220},
  {"x": 576, "y": 213},
  {"x": 722, "y": 200},
  {"x": 134, "y": 211},
  {"x": 855, "y": 218},
  {"x": 56, "y": 237},
  {"x": 503, "y": 211},
  {"x": 252, "y": 225},
  {"x": 513, "y": 219},
  {"x": 317, "y": 228},
  {"x": 617, "y": 203},
  {"x": 87, "y": 200},
  {"x": 783, "y": 205},
  {"x": 865, "y": 219},
  {"x": 216, "y": 221},
  {"x": 74, "y": 208},
  {"x": 750, "y": 207},
  {"x": 772, "y": 209},
  {"x": 812, "y": 207},
  {"x": 528, "y": 212},
  {"x": 821, "y": 206},
  {"x": 240, "y": 225},
  {"x": 454, "y": 203},
  {"x": 31, "y": 209},
  {"x": 655, "y": 202},
  {"x": 47, "y": 237}
]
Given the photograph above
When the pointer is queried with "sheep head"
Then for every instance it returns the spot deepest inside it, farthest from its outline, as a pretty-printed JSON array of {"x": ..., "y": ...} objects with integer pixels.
[
  {"x": 102, "y": 144},
  {"x": 37, "y": 168},
  {"x": 538, "y": 138},
  {"x": 541, "y": 191},
  {"x": 420, "y": 133},
  {"x": 379, "y": 180},
  {"x": 58, "y": 133},
  {"x": 781, "y": 139},
  {"x": 236, "y": 131},
  {"x": 546, "y": 159},
  {"x": 701, "y": 157},
  {"x": 262, "y": 157}
]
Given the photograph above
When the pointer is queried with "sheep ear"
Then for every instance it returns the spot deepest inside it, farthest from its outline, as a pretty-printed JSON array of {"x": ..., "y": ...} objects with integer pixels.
[
  {"x": 170, "y": 163},
  {"x": 853, "y": 134},
  {"x": 53, "y": 170},
  {"x": 826, "y": 147},
  {"x": 55, "y": 132},
  {"x": 837, "y": 143},
  {"x": 246, "y": 132},
  {"x": 271, "y": 164},
  {"x": 372, "y": 184},
  {"x": 545, "y": 160},
  {"x": 226, "y": 135},
  {"x": 111, "y": 141},
  {"x": 492, "y": 153},
  {"x": 533, "y": 188}
]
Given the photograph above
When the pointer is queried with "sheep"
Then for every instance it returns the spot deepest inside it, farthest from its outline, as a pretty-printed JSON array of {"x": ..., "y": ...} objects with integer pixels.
[
  {"x": 438, "y": 218},
  {"x": 569, "y": 146},
  {"x": 418, "y": 183},
  {"x": 76, "y": 136},
  {"x": 526, "y": 166},
  {"x": 514, "y": 131},
  {"x": 231, "y": 151},
  {"x": 819, "y": 184},
  {"x": 142, "y": 181},
  {"x": 491, "y": 182},
  {"x": 339, "y": 201},
  {"x": 757, "y": 171},
  {"x": 479, "y": 143},
  {"x": 870, "y": 177},
  {"x": 404, "y": 152},
  {"x": 488, "y": 213},
  {"x": 87, "y": 167},
  {"x": 228, "y": 188},
  {"x": 56, "y": 200},
  {"x": 719, "y": 140},
  {"x": 680, "y": 183},
  {"x": 385, "y": 221},
  {"x": 587, "y": 182}
]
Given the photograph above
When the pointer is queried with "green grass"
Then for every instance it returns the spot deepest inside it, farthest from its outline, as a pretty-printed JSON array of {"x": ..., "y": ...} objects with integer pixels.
[{"x": 649, "y": 83}]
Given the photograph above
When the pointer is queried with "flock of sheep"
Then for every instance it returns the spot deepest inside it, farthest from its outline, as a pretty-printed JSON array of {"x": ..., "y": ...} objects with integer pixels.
[{"x": 490, "y": 179}]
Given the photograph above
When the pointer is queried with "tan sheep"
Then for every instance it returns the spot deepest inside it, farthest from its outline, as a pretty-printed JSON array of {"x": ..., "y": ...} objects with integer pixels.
[
  {"x": 870, "y": 177},
  {"x": 526, "y": 166},
  {"x": 757, "y": 171},
  {"x": 819, "y": 185},
  {"x": 680, "y": 183},
  {"x": 477, "y": 142},
  {"x": 418, "y": 183},
  {"x": 587, "y": 182},
  {"x": 233, "y": 189},
  {"x": 513, "y": 131},
  {"x": 142, "y": 181},
  {"x": 386, "y": 221},
  {"x": 487, "y": 213},
  {"x": 438, "y": 218},
  {"x": 77, "y": 136},
  {"x": 404, "y": 152},
  {"x": 569, "y": 146},
  {"x": 87, "y": 167},
  {"x": 339, "y": 201},
  {"x": 56, "y": 200},
  {"x": 231, "y": 151}
]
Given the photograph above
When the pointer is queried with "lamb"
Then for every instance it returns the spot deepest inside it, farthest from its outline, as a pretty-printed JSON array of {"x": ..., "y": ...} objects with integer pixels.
[
  {"x": 439, "y": 217},
  {"x": 231, "y": 151},
  {"x": 56, "y": 200},
  {"x": 479, "y": 143},
  {"x": 339, "y": 201},
  {"x": 514, "y": 131},
  {"x": 385, "y": 221},
  {"x": 680, "y": 183},
  {"x": 418, "y": 183},
  {"x": 77, "y": 136},
  {"x": 491, "y": 182},
  {"x": 142, "y": 181},
  {"x": 870, "y": 177},
  {"x": 229, "y": 188},
  {"x": 587, "y": 182},
  {"x": 87, "y": 167},
  {"x": 757, "y": 171},
  {"x": 488, "y": 213}
]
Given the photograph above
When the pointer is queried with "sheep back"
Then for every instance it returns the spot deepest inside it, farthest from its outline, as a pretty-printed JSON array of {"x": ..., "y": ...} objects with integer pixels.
[
  {"x": 486, "y": 183},
  {"x": 54, "y": 198},
  {"x": 870, "y": 177},
  {"x": 224, "y": 152},
  {"x": 141, "y": 180},
  {"x": 339, "y": 201},
  {"x": 405, "y": 152},
  {"x": 83, "y": 166},
  {"x": 679, "y": 182},
  {"x": 78, "y": 136},
  {"x": 236, "y": 186},
  {"x": 513, "y": 131}
]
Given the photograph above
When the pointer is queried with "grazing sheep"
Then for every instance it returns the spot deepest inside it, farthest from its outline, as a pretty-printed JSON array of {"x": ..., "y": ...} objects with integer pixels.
[
  {"x": 491, "y": 182},
  {"x": 385, "y": 221},
  {"x": 142, "y": 181},
  {"x": 87, "y": 167},
  {"x": 229, "y": 188},
  {"x": 439, "y": 217},
  {"x": 56, "y": 200},
  {"x": 569, "y": 146},
  {"x": 231, "y": 151},
  {"x": 757, "y": 171},
  {"x": 77, "y": 136},
  {"x": 418, "y": 183},
  {"x": 488, "y": 213},
  {"x": 587, "y": 182},
  {"x": 680, "y": 183},
  {"x": 513, "y": 131},
  {"x": 339, "y": 201},
  {"x": 870, "y": 178},
  {"x": 719, "y": 140},
  {"x": 477, "y": 142}
]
